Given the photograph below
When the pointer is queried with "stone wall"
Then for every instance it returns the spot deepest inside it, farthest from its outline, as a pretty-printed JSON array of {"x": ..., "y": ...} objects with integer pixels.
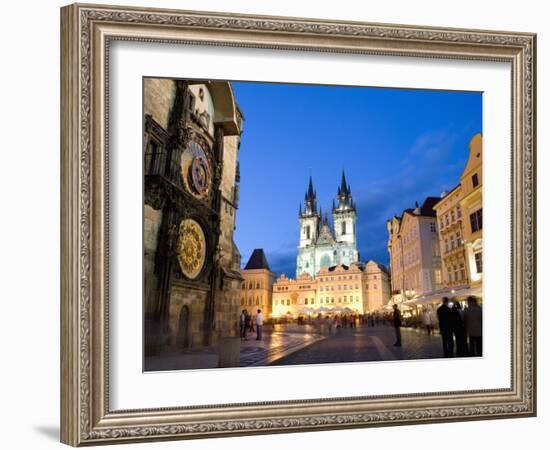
[
  {"x": 194, "y": 300},
  {"x": 151, "y": 223},
  {"x": 186, "y": 302},
  {"x": 158, "y": 97}
]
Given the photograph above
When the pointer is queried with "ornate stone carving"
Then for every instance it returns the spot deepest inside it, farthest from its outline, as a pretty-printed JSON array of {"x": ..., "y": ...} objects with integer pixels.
[
  {"x": 526, "y": 43},
  {"x": 191, "y": 248}
]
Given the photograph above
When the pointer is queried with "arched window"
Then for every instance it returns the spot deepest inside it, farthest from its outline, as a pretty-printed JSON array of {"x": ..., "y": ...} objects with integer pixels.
[{"x": 343, "y": 227}]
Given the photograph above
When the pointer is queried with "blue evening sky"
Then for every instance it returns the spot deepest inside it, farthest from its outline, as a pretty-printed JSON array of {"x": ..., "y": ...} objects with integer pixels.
[{"x": 397, "y": 146}]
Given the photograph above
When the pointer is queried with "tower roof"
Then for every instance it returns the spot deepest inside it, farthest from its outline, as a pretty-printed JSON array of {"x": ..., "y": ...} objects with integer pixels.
[
  {"x": 257, "y": 260},
  {"x": 310, "y": 192},
  {"x": 345, "y": 201},
  {"x": 343, "y": 185}
]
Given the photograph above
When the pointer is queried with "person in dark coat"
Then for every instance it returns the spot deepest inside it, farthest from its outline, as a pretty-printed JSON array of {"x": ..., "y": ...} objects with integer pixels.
[
  {"x": 458, "y": 329},
  {"x": 473, "y": 326},
  {"x": 242, "y": 324},
  {"x": 445, "y": 318},
  {"x": 247, "y": 324},
  {"x": 397, "y": 325}
]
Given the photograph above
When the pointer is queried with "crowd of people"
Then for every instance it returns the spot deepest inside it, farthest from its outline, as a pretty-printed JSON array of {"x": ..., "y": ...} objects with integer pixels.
[
  {"x": 249, "y": 324},
  {"x": 460, "y": 328}
]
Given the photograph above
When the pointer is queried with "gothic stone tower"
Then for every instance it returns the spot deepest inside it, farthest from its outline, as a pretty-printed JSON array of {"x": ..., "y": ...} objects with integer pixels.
[
  {"x": 310, "y": 221},
  {"x": 344, "y": 214},
  {"x": 191, "y": 265},
  {"x": 320, "y": 245}
]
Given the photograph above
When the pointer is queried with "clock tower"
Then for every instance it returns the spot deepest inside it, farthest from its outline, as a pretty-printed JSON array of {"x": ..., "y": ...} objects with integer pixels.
[{"x": 191, "y": 264}]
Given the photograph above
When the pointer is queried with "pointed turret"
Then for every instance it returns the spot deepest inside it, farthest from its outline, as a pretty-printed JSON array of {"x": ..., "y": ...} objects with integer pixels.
[
  {"x": 310, "y": 192},
  {"x": 310, "y": 200},
  {"x": 345, "y": 202},
  {"x": 343, "y": 186}
]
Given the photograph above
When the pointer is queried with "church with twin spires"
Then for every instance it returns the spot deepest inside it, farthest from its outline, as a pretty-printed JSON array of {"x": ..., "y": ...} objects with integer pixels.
[{"x": 320, "y": 244}]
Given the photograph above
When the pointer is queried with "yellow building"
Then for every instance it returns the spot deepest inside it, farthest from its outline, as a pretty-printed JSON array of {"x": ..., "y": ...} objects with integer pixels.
[
  {"x": 377, "y": 289},
  {"x": 450, "y": 221},
  {"x": 357, "y": 288},
  {"x": 415, "y": 257},
  {"x": 472, "y": 207},
  {"x": 460, "y": 219},
  {"x": 257, "y": 286}
]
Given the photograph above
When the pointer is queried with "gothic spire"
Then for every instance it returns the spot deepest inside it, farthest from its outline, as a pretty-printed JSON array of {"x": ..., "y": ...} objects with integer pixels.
[
  {"x": 310, "y": 192},
  {"x": 343, "y": 186},
  {"x": 310, "y": 199},
  {"x": 345, "y": 201}
]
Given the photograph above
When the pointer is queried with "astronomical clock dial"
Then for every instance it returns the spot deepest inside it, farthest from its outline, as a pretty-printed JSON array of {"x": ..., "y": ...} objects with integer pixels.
[
  {"x": 195, "y": 170},
  {"x": 191, "y": 248}
]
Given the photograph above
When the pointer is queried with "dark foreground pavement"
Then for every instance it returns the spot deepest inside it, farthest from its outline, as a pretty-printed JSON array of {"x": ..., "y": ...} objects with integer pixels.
[{"x": 367, "y": 344}]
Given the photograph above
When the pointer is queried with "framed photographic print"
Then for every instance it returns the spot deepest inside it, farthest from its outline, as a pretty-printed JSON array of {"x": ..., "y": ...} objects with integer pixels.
[{"x": 276, "y": 224}]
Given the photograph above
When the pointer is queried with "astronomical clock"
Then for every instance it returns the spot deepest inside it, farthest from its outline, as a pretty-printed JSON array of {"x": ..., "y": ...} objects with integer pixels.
[
  {"x": 196, "y": 170},
  {"x": 183, "y": 158},
  {"x": 191, "y": 248}
]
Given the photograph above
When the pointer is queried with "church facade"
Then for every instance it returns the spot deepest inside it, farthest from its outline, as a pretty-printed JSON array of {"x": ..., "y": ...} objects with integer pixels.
[{"x": 320, "y": 244}]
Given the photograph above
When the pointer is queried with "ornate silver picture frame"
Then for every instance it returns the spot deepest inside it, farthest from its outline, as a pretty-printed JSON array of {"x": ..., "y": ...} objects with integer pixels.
[{"x": 87, "y": 32}]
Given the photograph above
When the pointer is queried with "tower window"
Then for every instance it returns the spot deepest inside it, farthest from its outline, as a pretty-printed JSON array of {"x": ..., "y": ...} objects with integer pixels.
[
  {"x": 343, "y": 227},
  {"x": 475, "y": 180},
  {"x": 308, "y": 232}
]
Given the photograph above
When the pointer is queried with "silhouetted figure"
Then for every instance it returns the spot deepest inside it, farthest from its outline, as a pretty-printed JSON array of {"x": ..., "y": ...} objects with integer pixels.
[
  {"x": 473, "y": 326},
  {"x": 445, "y": 318},
  {"x": 242, "y": 324},
  {"x": 397, "y": 325},
  {"x": 458, "y": 329},
  {"x": 247, "y": 324}
]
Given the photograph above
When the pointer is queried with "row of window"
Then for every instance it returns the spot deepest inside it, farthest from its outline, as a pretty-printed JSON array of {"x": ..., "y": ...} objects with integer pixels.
[
  {"x": 251, "y": 301},
  {"x": 449, "y": 218},
  {"x": 456, "y": 273},
  {"x": 453, "y": 241},
  {"x": 258, "y": 285},
  {"x": 341, "y": 277},
  {"x": 340, "y": 287},
  {"x": 311, "y": 301},
  {"x": 347, "y": 299}
]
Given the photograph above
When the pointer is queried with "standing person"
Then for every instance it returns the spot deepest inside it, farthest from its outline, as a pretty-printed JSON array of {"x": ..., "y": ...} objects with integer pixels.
[
  {"x": 247, "y": 324},
  {"x": 259, "y": 325},
  {"x": 242, "y": 324},
  {"x": 428, "y": 320},
  {"x": 397, "y": 325},
  {"x": 444, "y": 316},
  {"x": 458, "y": 329},
  {"x": 472, "y": 325}
]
